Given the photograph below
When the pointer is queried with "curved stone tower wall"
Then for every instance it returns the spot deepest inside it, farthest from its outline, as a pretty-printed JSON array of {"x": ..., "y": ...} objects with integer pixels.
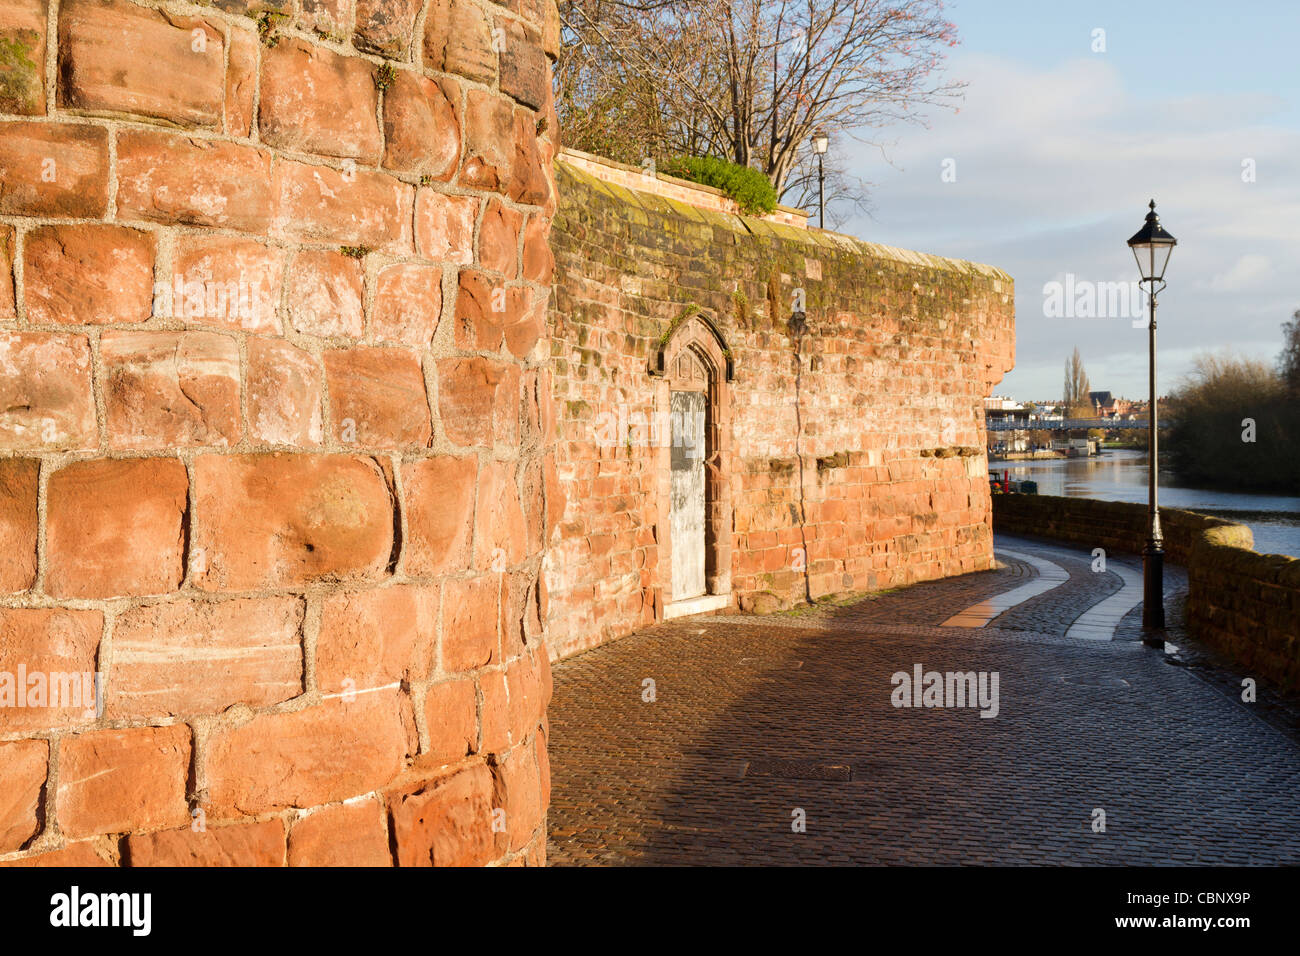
[{"x": 275, "y": 435}]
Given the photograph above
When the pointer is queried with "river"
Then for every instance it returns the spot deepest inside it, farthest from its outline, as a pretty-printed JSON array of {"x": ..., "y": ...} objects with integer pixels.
[{"x": 1122, "y": 476}]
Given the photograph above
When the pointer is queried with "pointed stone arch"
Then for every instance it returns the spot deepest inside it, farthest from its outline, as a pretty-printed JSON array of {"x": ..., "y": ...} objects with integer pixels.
[
  {"x": 695, "y": 358},
  {"x": 700, "y": 331}
]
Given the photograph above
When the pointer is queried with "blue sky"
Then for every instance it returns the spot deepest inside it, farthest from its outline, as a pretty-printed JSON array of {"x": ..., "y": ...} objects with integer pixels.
[{"x": 1057, "y": 148}]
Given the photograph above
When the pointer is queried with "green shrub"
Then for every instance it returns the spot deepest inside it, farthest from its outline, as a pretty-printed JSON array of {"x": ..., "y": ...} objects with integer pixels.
[{"x": 750, "y": 188}]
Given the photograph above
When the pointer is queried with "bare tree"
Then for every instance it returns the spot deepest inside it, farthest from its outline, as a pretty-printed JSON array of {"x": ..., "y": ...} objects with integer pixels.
[
  {"x": 749, "y": 80},
  {"x": 1075, "y": 399},
  {"x": 1289, "y": 361}
]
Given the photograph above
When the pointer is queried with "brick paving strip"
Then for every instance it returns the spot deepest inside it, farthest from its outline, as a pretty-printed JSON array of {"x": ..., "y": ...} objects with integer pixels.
[
  {"x": 1102, "y": 619},
  {"x": 1050, "y": 575},
  {"x": 758, "y": 721}
]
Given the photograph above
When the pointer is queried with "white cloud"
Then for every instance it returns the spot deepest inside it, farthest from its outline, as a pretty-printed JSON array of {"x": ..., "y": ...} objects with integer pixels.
[
  {"x": 1245, "y": 273},
  {"x": 1054, "y": 170}
]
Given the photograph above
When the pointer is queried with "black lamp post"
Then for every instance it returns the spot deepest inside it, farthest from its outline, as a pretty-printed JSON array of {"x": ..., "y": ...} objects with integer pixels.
[
  {"x": 820, "y": 143},
  {"x": 1151, "y": 247}
]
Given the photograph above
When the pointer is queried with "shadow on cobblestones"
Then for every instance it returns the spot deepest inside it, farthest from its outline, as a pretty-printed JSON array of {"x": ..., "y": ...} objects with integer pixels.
[{"x": 1182, "y": 773}]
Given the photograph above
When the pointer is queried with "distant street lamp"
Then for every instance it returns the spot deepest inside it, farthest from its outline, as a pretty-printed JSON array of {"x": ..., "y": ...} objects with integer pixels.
[
  {"x": 820, "y": 143},
  {"x": 1151, "y": 248}
]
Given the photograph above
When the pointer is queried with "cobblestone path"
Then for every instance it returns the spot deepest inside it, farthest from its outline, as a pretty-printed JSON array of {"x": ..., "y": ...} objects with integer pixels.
[{"x": 760, "y": 722}]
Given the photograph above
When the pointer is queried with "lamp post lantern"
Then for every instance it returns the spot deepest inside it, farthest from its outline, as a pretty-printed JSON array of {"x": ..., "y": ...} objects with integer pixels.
[
  {"x": 820, "y": 143},
  {"x": 1151, "y": 247}
]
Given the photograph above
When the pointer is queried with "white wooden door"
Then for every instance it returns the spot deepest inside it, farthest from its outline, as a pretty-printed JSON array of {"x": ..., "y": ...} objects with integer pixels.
[{"x": 687, "y": 494}]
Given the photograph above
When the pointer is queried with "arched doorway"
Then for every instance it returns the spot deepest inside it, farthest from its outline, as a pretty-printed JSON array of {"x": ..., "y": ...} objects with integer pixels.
[
  {"x": 695, "y": 488},
  {"x": 687, "y": 494}
]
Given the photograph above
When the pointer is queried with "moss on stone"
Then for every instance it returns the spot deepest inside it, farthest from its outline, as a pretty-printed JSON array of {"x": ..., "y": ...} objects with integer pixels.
[
  {"x": 385, "y": 76},
  {"x": 690, "y": 310},
  {"x": 838, "y": 460},
  {"x": 268, "y": 23},
  {"x": 20, "y": 76}
]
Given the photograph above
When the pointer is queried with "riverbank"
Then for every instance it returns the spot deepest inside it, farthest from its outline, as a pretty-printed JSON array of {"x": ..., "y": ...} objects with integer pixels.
[
  {"x": 1274, "y": 520},
  {"x": 1042, "y": 454}
]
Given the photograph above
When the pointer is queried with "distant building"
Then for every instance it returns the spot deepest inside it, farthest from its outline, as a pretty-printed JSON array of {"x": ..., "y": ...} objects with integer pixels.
[
  {"x": 1007, "y": 413},
  {"x": 1106, "y": 405}
]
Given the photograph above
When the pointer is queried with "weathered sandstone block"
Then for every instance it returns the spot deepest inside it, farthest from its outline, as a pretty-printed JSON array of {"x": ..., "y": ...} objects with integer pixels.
[
  {"x": 525, "y": 70},
  {"x": 22, "y": 57},
  {"x": 200, "y": 657},
  {"x": 345, "y": 834},
  {"x": 376, "y": 637},
  {"x": 326, "y": 295},
  {"x": 164, "y": 177},
  {"x": 241, "y": 844},
  {"x": 519, "y": 793},
  {"x": 8, "y": 250},
  {"x": 53, "y": 169},
  {"x": 498, "y": 239},
  {"x": 113, "y": 527},
  {"x": 314, "y": 100},
  {"x": 284, "y": 394},
  {"x": 170, "y": 389},
  {"x": 439, "y": 509},
  {"x": 241, "y": 81},
  {"x": 451, "y": 716},
  {"x": 49, "y": 642},
  {"x": 386, "y": 27},
  {"x": 408, "y": 304},
  {"x": 277, "y": 520},
  {"x": 444, "y": 226},
  {"x": 116, "y": 780},
  {"x": 421, "y": 126},
  {"x": 88, "y": 275},
  {"x": 18, "y": 521},
  {"x": 478, "y": 400},
  {"x": 489, "y": 142},
  {"x": 500, "y": 530},
  {"x": 378, "y": 397},
  {"x": 447, "y": 823},
  {"x": 481, "y": 305},
  {"x": 227, "y": 282},
  {"x": 103, "y": 69},
  {"x": 458, "y": 39},
  {"x": 471, "y": 623},
  {"x": 330, "y": 751},
  {"x": 26, "y": 765},
  {"x": 355, "y": 208}
]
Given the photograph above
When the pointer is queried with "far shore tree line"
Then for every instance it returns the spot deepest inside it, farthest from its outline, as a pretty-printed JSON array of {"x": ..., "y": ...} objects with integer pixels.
[
  {"x": 1236, "y": 421},
  {"x": 1232, "y": 422}
]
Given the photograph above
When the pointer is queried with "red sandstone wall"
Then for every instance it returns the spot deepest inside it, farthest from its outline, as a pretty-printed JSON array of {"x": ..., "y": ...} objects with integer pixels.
[
  {"x": 885, "y": 425},
  {"x": 272, "y": 414}
]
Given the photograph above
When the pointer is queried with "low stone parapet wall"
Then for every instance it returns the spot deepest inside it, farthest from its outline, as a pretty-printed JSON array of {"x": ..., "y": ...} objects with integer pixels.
[{"x": 1243, "y": 603}]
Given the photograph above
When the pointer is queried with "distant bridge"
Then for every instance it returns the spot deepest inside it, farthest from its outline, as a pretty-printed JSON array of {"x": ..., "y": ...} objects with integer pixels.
[{"x": 1066, "y": 424}]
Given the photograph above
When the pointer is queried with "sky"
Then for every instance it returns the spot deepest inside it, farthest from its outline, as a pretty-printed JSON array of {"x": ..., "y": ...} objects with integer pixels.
[{"x": 1055, "y": 151}]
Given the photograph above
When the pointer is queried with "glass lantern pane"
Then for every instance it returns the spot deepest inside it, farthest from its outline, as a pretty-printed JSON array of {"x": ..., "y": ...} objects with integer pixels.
[{"x": 1160, "y": 257}]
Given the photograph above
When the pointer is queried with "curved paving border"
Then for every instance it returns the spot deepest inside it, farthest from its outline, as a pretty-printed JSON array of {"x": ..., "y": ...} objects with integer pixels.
[
  {"x": 1050, "y": 575},
  {"x": 1100, "y": 621}
]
